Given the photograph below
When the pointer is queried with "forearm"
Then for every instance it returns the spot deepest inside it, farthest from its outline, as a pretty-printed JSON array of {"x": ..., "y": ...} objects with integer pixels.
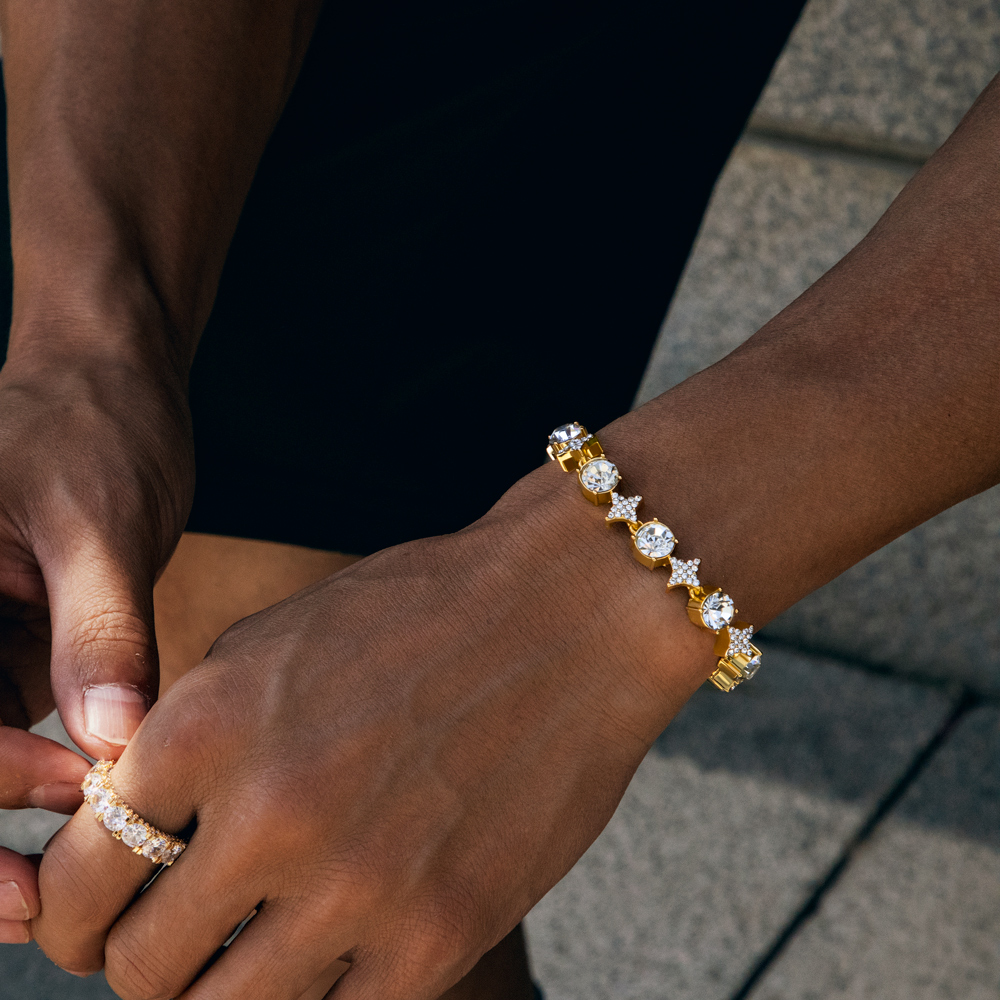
[
  {"x": 864, "y": 408},
  {"x": 134, "y": 130}
]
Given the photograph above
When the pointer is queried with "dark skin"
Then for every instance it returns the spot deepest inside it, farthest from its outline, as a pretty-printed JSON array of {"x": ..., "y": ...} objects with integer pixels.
[{"x": 400, "y": 760}]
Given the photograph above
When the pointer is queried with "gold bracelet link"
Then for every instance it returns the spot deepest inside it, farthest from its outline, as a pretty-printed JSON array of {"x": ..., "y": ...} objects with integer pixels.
[{"x": 653, "y": 543}]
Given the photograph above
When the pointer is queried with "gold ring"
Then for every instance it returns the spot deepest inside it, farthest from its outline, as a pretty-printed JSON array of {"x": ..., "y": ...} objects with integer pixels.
[{"x": 123, "y": 822}]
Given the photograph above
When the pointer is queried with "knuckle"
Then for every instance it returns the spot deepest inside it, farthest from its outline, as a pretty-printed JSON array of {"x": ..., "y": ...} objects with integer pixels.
[
  {"x": 442, "y": 933},
  {"x": 69, "y": 929},
  {"x": 110, "y": 627},
  {"x": 138, "y": 970}
]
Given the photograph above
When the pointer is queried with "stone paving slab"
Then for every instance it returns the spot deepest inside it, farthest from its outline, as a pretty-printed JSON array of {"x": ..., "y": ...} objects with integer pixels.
[
  {"x": 26, "y": 974},
  {"x": 916, "y": 915},
  {"x": 880, "y": 75},
  {"x": 731, "y": 821},
  {"x": 780, "y": 217}
]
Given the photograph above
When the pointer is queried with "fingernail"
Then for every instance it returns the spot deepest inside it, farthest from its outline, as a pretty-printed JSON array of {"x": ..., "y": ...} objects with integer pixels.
[
  {"x": 57, "y": 797},
  {"x": 113, "y": 712},
  {"x": 12, "y": 904},
  {"x": 14, "y": 932}
]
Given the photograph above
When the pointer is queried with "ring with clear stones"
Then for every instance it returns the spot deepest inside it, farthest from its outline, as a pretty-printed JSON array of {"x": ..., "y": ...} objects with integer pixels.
[{"x": 122, "y": 821}]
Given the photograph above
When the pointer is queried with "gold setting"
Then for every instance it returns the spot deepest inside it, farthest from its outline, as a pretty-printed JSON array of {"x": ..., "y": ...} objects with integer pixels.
[
  {"x": 650, "y": 562},
  {"x": 573, "y": 447},
  {"x": 697, "y": 596},
  {"x": 123, "y": 823},
  {"x": 596, "y": 496}
]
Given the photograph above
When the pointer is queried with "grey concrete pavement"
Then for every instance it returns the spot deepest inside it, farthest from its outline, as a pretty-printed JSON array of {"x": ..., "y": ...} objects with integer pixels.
[
  {"x": 918, "y": 913},
  {"x": 882, "y": 76},
  {"x": 736, "y": 816}
]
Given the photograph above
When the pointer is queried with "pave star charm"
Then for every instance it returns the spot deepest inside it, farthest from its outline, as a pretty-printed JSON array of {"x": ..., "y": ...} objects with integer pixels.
[
  {"x": 684, "y": 573},
  {"x": 739, "y": 641},
  {"x": 742, "y": 652},
  {"x": 623, "y": 509}
]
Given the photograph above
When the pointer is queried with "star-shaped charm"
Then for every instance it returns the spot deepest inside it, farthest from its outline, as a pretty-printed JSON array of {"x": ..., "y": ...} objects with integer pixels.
[
  {"x": 739, "y": 641},
  {"x": 684, "y": 573},
  {"x": 623, "y": 509}
]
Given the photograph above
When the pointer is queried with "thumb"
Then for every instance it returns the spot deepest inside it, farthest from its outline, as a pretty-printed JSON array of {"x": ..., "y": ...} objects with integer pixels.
[{"x": 105, "y": 671}]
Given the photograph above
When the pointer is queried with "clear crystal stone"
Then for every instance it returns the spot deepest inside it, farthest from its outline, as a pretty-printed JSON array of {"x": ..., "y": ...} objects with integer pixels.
[
  {"x": 599, "y": 475},
  {"x": 752, "y": 667},
  {"x": 563, "y": 435},
  {"x": 153, "y": 848},
  {"x": 717, "y": 611},
  {"x": 99, "y": 800},
  {"x": 134, "y": 834},
  {"x": 171, "y": 854},
  {"x": 115, "y": 818},
  {"x": 654, "y": 540}
]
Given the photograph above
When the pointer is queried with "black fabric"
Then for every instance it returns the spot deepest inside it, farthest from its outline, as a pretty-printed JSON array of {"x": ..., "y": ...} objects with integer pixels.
[{"x": 466, "y": 230}]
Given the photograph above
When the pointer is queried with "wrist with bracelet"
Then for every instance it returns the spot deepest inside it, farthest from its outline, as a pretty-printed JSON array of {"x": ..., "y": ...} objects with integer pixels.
[{"x": 653, "y": 545}]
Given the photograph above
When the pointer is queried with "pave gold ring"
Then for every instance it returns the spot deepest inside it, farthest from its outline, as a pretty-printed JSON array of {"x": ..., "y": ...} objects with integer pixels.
[{"x": 112, "y": 810}]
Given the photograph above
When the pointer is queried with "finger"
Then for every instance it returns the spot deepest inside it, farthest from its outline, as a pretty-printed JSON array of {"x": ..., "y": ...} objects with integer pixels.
[
  {"x": 105, "y": 671},
  {"x": 202, "y": 897},
  {"x": 18, "y": 887},
  {"x": 88, "y": 878},
  {"x": 279, "y": 956},
  {"x": 39, "y": 773}
]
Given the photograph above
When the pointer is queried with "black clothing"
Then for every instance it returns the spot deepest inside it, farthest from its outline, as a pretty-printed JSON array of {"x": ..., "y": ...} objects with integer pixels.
[{"x": 465, "y": 230}]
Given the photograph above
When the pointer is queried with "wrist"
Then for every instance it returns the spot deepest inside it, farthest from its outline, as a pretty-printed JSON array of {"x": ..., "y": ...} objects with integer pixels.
[
  {"x": 108, "y": 320},
  {"x": 634, "y": 638}
]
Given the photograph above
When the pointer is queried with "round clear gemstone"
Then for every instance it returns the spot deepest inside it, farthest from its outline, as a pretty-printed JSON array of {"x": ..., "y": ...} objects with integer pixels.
[
  {"x": 134, "y": 834},
  {"x": 89, "y": 782},
  {"x": 599, "y": 475},
  {"x": 153, "y": 848},
  {"x": 171, "y": 854},
  {"x": 115, "y": 818},
  {"x": 99, "y": 800},
  {"x": 565, "y": 434},
  {"x": 654, "y": 540},
  {"x": 717, "y": 611},
  {"x": 752, "y": 667}
]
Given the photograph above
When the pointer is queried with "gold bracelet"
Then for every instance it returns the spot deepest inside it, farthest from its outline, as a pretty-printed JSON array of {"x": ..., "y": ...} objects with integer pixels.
[{"x": 653, "y": 544}]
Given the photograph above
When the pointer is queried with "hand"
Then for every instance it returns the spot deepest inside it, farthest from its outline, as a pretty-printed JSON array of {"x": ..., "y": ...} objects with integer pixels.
[
  {"x": 397, "y": 762},
  {"x": 95, "y": 478}
]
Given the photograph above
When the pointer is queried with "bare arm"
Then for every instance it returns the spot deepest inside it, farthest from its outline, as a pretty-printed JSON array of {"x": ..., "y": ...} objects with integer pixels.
[{"x": 134, "y": 131}]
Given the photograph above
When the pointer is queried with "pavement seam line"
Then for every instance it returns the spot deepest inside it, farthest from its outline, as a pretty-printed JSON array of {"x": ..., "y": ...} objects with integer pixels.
[
  {"x": 946, "y": 686},
  {"x": 803, "y": 142},
  {"x": 964, "y": 704}
]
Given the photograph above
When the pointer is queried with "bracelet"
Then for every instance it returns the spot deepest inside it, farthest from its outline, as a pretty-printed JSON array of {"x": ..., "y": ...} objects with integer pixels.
[{"x": 653, "y": 544}]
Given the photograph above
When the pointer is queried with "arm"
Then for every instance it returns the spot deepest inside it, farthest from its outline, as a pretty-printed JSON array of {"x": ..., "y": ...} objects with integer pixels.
[{"x": 133, "y": 134}]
